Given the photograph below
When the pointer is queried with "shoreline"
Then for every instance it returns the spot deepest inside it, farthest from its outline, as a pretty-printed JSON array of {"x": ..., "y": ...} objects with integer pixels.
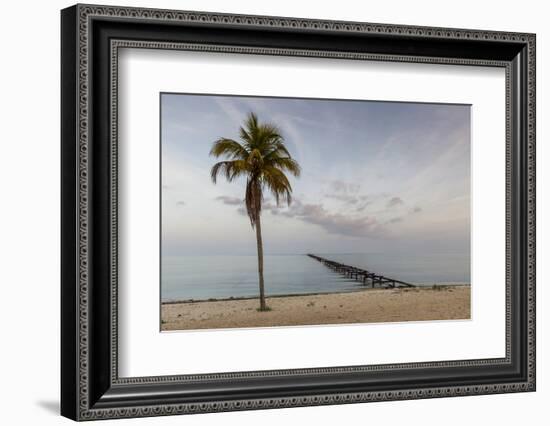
[
  {"x": 443, "y": 302},
  {"x": 320, "y": 293}
]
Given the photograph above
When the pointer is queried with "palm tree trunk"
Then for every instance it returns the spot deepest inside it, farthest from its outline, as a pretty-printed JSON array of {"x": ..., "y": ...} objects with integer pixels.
[{"x": 263, "y": 306}]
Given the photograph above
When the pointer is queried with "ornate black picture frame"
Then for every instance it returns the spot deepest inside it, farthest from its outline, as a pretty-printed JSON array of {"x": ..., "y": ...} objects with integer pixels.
[{"x": 91, "y": 37}]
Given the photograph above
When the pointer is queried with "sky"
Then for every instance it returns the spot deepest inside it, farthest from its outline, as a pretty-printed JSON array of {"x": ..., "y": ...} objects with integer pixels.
[{"x": 377, "y": 177}]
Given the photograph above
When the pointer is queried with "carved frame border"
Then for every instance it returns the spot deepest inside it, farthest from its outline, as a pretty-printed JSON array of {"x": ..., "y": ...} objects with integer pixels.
[{"x": 87, "y": 12}]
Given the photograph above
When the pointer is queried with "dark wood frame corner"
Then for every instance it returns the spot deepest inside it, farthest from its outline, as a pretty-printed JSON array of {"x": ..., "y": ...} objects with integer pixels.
[{"x": 90, "y": 385}]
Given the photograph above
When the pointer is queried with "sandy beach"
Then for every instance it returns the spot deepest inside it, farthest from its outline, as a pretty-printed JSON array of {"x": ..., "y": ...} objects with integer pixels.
[{"x": 366, "y": 306}]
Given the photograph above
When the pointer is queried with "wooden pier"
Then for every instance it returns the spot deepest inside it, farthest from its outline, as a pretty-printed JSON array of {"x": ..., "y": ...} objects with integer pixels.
[{"x": 361, "y": 275}]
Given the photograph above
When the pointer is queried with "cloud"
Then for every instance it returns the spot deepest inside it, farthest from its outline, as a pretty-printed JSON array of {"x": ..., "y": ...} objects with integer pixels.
[
  {"x": 333, "y": 223},
  {"x": 360, "y": 202},
  {"x": 345, "y": 192},
  {"x": 348, "y": 199},
  {"x": 180, "y": 203},
  {"x": 395, "y": 220},
  {"x": 273, "y": 207},
  {"x": 394, "y": 201},
  {"x": 340, "y": 186},
  {"x": 364, "y": 204},
  {"x": 230, "y": 201}
]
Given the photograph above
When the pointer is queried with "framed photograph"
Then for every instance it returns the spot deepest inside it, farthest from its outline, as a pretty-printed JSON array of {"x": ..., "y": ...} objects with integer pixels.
[{"x": 263, "y": 212}]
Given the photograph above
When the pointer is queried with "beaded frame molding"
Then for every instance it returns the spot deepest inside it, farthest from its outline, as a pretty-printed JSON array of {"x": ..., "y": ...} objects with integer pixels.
[{"x": 91, "y": 38}]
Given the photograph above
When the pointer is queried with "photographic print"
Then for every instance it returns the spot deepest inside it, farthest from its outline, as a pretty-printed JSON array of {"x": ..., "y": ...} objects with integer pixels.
[{"x": 295, "y": 211}]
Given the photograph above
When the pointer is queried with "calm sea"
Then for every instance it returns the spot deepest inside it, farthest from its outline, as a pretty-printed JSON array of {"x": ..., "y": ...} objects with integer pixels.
[{"x": 204, "y": 277}]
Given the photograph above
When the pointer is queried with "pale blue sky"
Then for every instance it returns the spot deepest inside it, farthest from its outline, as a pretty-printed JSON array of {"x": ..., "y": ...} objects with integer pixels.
[{"x": 376, "y": 177}]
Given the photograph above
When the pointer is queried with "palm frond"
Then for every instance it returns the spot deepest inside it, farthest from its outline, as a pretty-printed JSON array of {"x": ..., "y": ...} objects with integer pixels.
[
  {"x": 246, "y": 137},
  {"x": 269, "y": 133},
  {"x": 287, "y": 164},
  {"x": 229, "y": 148},
  {"x": 277, "y": 149},
  {"x": 250, "y": 131},
  {"x": 231, "y": 169},
  {"x": 252, "y": 121},
  {"x": 259, "y": 136},
  {"x": 277, "y": 183}
]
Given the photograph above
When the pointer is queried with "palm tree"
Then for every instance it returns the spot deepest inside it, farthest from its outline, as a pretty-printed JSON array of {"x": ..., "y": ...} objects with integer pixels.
[{"x": 262, "y": 157}]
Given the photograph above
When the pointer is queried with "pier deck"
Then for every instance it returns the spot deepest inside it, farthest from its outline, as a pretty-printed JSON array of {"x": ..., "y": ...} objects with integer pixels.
[{"x": 361, "y": 275}]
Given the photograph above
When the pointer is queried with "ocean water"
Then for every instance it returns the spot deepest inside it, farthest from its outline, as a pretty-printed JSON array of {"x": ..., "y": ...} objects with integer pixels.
[{"x": 205, "y": 277}]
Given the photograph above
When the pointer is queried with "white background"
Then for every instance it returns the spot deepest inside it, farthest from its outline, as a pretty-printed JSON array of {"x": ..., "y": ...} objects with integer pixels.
[
  {"x": 146, "y": 352},
  {"x": 29, "y": 229}
]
